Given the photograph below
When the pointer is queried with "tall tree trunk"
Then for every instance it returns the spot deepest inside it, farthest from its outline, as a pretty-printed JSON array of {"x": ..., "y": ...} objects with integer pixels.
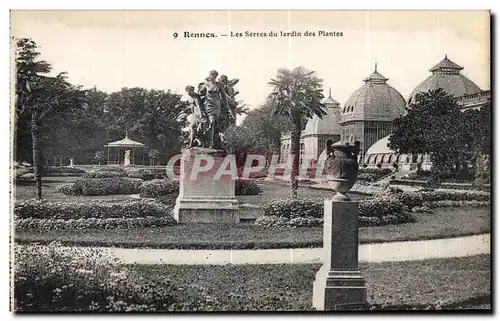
[
  {"x": 35, "y": 137},
  {"x": 295, "y": 153}
]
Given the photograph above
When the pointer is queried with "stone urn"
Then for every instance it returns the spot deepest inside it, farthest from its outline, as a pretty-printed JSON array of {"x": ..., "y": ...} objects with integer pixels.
[{"x": 341, "y": 169}]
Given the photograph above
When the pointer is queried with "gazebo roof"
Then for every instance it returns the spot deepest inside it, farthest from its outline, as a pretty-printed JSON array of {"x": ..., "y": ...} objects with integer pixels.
[{"x": 126, "y": 142}]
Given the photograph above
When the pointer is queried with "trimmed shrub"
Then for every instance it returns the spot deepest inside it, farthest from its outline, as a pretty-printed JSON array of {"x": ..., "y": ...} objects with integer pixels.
[
  {"x": 47, "y": 279},
  {"x": 85, "y": 210},
  {"x": 372, "y": 174},
  {"x": 158, "y": 187},
  {"x": 246, "y": 187},
  {"x": 308, "y": 212},
  {"x": 110, "y": 169},
  {"x": 143, "y": 174},
  {"x": 93, "y": 223},
  {"x": 102, "y": 186},
  {"x": 457, "y": 204},
  {"x": 294, "y": 207},
  {"x": 103, "y": 174}
]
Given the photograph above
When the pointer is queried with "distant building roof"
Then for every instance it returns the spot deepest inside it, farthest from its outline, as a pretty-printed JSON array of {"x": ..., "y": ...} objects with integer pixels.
[
  {"x": 329, "y": 124},
  {"x": 446, "y": 75},
  {"x": 375, "y": 100},
  {"x": 125, "y": 142}
]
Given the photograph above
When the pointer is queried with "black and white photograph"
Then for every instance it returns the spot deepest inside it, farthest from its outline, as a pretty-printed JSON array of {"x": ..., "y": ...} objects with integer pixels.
[{"x": 250, "y": 161}]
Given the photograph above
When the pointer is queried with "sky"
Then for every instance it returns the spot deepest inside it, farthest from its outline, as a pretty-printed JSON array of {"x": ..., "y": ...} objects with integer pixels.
[{"x": 116, "y": 49}]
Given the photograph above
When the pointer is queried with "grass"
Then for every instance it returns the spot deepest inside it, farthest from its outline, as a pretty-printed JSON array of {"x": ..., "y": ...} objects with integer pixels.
[
  {"x": 430, "y": 284},
  {"x": 443, "y": 223}
]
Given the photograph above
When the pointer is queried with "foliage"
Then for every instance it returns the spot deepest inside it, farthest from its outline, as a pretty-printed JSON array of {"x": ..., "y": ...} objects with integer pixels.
[
  {"x": 100, "y": 156},
  {"x": 372, "y": 174},
  {"x": 93, "y": 223},
  {"x": 159, "y": 187},
  {"x": 153, "y": 154},
  {"x": 246, "y": 187},
  {"x": 141, "y": 173},
  {"x": 102, "y": 186},
  {"x": 88, "y": 210},
  {"x": 41, "y": 101},
  {"x": 103, "y": 174},
  {"x": 47, "y": 279},
  {"x": 434, "y": 125},
  {"x": 259, "y": 133},
  {"x": 296, "y": 95}
]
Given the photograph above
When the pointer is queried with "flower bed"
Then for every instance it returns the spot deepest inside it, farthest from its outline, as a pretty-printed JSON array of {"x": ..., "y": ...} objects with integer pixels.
[
  {"x": 457, "y": 204},
  {"x": 159, "y": 187},
  {"x": 308, "y": 212},
  {"x": 103, "y": 174},
  {"x": 49, "y": 280},
  {"x": 93, "y": 223},
  {"x": 372, "y": 174},
  {"x": 84, "y": 210},
  {"x": 102, "y": 186}
]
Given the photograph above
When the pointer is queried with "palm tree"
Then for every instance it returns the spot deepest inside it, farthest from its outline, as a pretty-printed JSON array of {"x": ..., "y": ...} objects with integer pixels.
[
  {"x": 297, "y": 95},
  {"x": 40, "y": 96}
]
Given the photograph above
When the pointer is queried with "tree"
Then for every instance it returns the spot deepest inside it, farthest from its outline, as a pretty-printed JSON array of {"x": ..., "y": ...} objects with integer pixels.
[
  {"x": 99, "y": 156},
  {"x": 153, "y": 155},
  {"x": 433, "y": 125},
  {"x": 39, "y": 97},
  {"x": 296, "y": 95}
]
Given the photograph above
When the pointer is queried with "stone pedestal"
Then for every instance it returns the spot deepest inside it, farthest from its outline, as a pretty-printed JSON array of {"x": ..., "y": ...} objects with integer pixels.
[
  {"x": 206, "y": 195},
  {"x": 339, "y": 284}
]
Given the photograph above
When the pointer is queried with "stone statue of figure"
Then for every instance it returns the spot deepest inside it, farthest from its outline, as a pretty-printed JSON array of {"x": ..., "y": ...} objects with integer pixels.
[
  {"x": 126, "y": 160},
  {"x": 213, "y": 110},
  {"x": 211, "y": 92},
  {"x": 198, "y": 120},
  {"x": 71, "y": 162}
]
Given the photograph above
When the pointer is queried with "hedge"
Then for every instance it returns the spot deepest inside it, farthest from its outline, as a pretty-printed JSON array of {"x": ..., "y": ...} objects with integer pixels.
[
  {"x": 103, "y": 174},
  {"x": 101, "y": 186},
  {"x": 83, "y": 210},
  {"x": 161, "y": 187},
  {"x": 47, "y": 279},
  {"x": 372, "y": 174},
  {"x": 93, "y": 223},
  {"x": 158, "y": 187}
]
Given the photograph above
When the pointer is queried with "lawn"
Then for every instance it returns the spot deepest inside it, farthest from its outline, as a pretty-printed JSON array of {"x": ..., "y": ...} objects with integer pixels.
[
  {"x": 430, "y": 284},
  {"x": 458, "y": 283},
  {"x": 443, "y": 223}
]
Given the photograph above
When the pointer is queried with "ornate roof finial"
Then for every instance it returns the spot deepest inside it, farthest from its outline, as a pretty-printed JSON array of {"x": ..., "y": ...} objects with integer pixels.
[
  {"x": 126, "y": 133},
  {"x": 330, "y": 91},
  {"x": 375, "y": 65},
  {"x": 445, "y": 56}
]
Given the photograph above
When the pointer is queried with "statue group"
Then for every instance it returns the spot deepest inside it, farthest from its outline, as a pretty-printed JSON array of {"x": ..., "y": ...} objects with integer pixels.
[{"x": 213, "y": 110}]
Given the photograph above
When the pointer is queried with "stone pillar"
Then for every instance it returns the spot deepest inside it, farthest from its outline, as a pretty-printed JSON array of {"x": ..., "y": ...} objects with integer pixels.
[
  {"x": 206, "y": 196},
  {"x": 339, "y": 284}
]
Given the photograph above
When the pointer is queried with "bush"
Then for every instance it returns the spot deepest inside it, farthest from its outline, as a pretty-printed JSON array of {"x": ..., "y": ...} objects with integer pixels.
[
  {"x": 47, "y": 279},
  {"x": 102, "y": 186},
  {"x": 93, "y": 223},
  {"x": 143, "y": 174},
  {"x": 372, "y": 174},
  {"x": 159, "y": 187},
  {"x": 103, "y": 174},
  {"x": 246, "y": 187},
  {"x": 111, "y": 169},
  {"x": 84, "y": 210},
  {"x": 294, "y": 207},
  {"x": 308, "y": 212}
]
